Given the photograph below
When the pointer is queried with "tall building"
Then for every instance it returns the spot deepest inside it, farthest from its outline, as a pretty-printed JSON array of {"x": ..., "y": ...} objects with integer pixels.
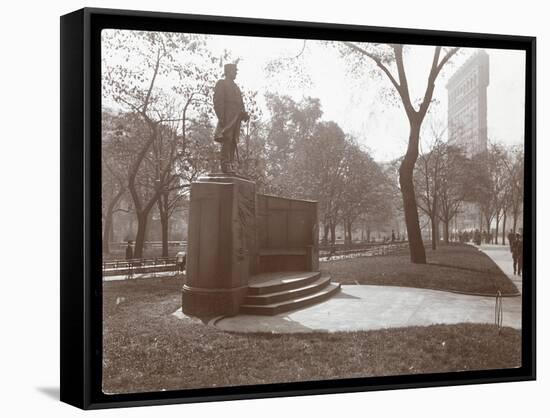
[{"x": 467, "y": 104}]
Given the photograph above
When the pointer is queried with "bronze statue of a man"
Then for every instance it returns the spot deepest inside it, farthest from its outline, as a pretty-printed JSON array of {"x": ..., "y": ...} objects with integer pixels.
[{"x": 229, "y": 108}]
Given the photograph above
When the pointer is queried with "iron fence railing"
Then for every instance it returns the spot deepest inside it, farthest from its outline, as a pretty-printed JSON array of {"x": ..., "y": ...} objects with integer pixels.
[
  {"x": 141, "y": 265},
  {"x": 361, "y": 249}
]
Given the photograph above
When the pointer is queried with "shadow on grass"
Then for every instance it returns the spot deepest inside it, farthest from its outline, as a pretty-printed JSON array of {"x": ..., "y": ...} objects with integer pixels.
[{"x": 458, "y": 267}]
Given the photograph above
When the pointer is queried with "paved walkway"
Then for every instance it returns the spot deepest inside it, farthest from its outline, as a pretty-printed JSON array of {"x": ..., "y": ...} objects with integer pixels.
[
  {"x": 502, "y": 257},
  {"x": 359, "y": 307},
  {"x": 140, "y": 276}
]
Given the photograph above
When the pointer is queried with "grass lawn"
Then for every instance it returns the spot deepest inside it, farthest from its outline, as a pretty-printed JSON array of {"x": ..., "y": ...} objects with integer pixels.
[
  {"x": 148, "y": 349},
  {"x": 454, "y": 267}
]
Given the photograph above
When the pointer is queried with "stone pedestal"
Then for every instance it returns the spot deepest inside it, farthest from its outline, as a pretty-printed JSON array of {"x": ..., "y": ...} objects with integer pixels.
[{"x": 221, "y": 247}]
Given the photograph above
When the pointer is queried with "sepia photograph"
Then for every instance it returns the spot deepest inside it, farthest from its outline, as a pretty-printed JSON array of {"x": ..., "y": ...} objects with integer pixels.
[{"x": 280, "y": 210}]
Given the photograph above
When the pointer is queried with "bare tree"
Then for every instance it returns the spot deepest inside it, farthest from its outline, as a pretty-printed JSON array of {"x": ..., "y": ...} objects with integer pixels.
[
  {"x": 135, "y": 78},
  {"x": 453, "y": 185},
  {"x": 322, "y": 162},
  {"x": 385, "y": 57},
  {"x": 365, "y": 189},
  {"x": 114, "y": 169},
  {"x": 491, "y": 182},
  {"x": 427, "y": 180},
  {"x": 515, "y": 168}
]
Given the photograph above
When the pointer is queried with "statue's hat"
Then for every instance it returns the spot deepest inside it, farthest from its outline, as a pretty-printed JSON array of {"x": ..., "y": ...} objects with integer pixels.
[{"x": 228, "y": 67}]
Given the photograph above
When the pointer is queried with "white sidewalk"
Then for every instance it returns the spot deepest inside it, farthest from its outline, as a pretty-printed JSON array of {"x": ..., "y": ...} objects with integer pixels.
[
  {"x": 365, "y": 307},
  {"x": 141, "y": 276},
  {"x": 502, "y": 257}
]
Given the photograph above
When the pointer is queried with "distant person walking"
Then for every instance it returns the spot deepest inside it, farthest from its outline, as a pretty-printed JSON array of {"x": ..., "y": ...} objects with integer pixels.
[
  {"x": 181, "y": 258},
  {"x": 129, "y": 251},
  {"x": 517, "y": 254},
  {"x": 511, "y": 238},
  {"x": 477, "y": 237}
]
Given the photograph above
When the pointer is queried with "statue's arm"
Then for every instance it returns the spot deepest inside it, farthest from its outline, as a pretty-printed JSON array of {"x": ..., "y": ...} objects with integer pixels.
[{"x": 219, "y": 97}]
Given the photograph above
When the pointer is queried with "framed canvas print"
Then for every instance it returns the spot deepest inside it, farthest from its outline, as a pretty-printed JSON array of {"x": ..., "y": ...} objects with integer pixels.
[{"x": 258, "y": 208}]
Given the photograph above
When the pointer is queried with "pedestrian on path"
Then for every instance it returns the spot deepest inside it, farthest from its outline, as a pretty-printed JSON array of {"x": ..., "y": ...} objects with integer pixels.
[
  {"x": 477, "y": 237},
  {"x": 511, "y": 237},
  {"x": 517, "y": 254},
  {"x": 129, "y": 251},
  {"x": 181, "y": 258}
]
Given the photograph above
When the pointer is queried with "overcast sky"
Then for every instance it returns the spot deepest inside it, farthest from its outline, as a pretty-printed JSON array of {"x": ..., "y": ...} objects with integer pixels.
[{"x": 356, "y": 103}]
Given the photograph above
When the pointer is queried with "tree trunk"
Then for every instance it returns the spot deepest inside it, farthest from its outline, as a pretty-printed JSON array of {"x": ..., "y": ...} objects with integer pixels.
[
  {"x": 112, "y": 233},
  {"x": 142, "y": 219},
  {"x": 346, "y": 237},
  {"x": 108, "y": 227},
  {"x": 416, "y": 246},
  {"x": 332, "y": 233},
  {"x": 325, "y": 233},
  {"x": 504, "y": 229},
  {"x": 368, "y": 234},
  {"x": 107, "y": 231},
  {"x": 434, "y": 233},
  {"x": 496, "y": 230},
  {"x": 162, "y": 205},
  {"x": 347, "y": 229},
  {"x": 480, "y": 220},
  {"x": 164, "y": 231},
  {"x": 446, "y": 232},
  {"x": 456, "y": 229}
]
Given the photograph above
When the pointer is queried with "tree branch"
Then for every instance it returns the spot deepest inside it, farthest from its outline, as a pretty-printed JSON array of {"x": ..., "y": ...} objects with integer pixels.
[
  {"x": 434, "y": 72},
  {"x": 149, "y": 91},
  {"x": 404, "y": 90},
  {"x": 378, "y": 62}
]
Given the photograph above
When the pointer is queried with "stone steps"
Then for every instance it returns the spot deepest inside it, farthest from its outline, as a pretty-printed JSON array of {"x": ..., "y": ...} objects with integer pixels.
[
  {"x": 277, "y": 282},
  {"x": 276, "y": 297},
  {"x": 274, "y": 293}
]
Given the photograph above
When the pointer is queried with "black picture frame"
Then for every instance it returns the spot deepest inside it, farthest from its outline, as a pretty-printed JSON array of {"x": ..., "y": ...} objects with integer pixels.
[{"x": 81, "y": 285}]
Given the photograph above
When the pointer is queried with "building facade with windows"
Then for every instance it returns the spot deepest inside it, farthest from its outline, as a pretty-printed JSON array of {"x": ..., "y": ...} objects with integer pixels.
[{"x": 467, "y": 104}]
